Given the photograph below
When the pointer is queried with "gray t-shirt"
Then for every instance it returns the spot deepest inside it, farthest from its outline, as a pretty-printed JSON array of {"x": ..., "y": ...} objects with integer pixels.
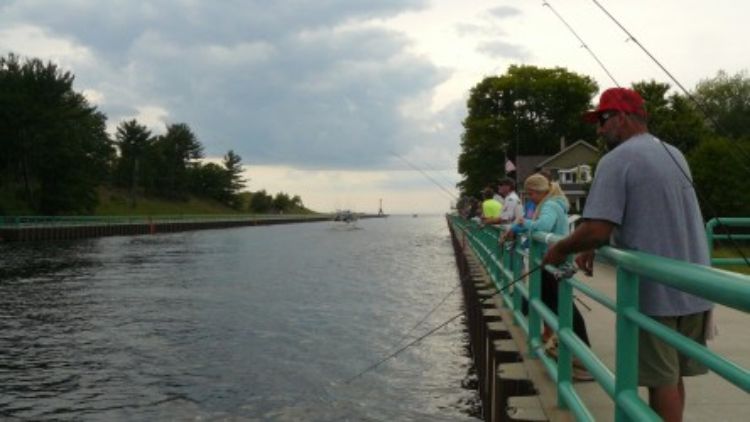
[{"x": 641, "y": 189}]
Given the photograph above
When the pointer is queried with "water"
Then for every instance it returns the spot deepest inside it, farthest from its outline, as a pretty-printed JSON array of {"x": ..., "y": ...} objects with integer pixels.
[{"x": 261, "y": 323}]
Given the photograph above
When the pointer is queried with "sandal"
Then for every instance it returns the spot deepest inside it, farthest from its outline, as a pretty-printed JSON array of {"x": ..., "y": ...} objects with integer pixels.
[
  {"x": 550, "y": 347},
  {"x": 580, "y": 373}
]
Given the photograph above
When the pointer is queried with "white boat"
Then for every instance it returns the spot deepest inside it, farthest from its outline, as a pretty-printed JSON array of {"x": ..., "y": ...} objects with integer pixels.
[{"x": 346, "y": 216}]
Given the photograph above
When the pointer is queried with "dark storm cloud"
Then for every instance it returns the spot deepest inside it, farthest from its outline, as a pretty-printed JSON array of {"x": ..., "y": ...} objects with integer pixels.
[{"x": 289, "y": 82}]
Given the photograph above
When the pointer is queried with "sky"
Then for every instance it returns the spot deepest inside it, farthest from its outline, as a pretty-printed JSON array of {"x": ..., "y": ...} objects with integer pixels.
[{"x": 349, "y": 102}]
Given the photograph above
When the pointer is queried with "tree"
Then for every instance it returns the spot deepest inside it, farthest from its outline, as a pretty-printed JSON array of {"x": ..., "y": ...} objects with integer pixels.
[
  {"x": 297, "y": 202},
  {"x": 722, "y": 187},
  {"x": 55, "y": 147},
  {"x": 523, "y": 112},
  {"x": 176, "y": 151},
  {"x": 671, "y": 118},
  {"x": 718, "y": 166},
  {"x": 232, "y": 164},
  {"x": 134, "y": 142},
  {"x": 261, "y": 202},
  {"x": 211, "y": 181},
  {"x": 282, "y": 202},
  {"x": 727, "y": 100}
]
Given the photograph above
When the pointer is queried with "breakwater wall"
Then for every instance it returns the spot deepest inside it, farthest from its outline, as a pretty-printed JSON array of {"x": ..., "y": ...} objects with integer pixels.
[
  {"x": 18, "y": 229},
  {"x": 505, "y": 388}
]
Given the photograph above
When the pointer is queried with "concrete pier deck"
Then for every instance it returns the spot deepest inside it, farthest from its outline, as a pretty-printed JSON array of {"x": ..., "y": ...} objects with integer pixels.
[{"x": 709, "y": 397}]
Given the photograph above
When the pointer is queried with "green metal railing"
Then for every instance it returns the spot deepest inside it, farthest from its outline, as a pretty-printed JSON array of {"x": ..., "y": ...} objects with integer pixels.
[
  {"x": 505, "y": 265},
  {"x": 727, "y": 224}
]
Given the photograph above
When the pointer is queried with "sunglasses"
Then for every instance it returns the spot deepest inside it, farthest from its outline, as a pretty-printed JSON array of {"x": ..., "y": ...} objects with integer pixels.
[{"x": 603, "y": 117}]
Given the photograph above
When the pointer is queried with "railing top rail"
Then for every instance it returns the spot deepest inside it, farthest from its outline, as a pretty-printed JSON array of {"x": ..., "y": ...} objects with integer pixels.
[
  {"x": 729, "y": 221},
  {"x": 725, "y": 287}
]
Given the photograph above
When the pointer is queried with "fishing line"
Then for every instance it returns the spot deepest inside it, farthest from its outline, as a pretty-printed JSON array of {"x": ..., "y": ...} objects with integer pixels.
[
  {"x": 702, "y": 199},
  {"x": 706, "y": 203},
  {"x": 433, "y": 330},
  {"x": 700, "y": 105},
  {"x": 705, "y": 112},
  {"x": 428, "y": 314},
  {"x": 583, "y": 44},
  {"x": 449, "y": 193},
  {"x": 440, "y": 174}
]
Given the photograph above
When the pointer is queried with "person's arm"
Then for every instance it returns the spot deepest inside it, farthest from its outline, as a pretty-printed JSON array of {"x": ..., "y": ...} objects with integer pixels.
[
  {"x": 545, "y": 222},
  {"x": 588, "y": 236}
]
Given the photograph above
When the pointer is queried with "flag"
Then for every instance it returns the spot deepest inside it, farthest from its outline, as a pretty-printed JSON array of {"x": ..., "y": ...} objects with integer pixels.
[{"x": 509, "y": 167}]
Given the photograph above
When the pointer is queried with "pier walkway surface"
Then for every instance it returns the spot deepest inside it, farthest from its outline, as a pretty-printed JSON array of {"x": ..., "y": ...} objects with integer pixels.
[{"x": 709, "y": 397}]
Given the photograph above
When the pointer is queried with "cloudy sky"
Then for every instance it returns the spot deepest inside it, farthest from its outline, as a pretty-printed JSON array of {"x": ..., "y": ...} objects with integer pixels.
[{"x": 339, "y": 100}]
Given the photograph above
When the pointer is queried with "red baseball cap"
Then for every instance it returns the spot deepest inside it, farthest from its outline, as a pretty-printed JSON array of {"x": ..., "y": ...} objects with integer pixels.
[{"x": 617, "y": 99}]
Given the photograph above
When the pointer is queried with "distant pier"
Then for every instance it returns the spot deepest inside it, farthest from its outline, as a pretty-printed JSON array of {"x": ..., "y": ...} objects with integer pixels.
[{"x": 36, "y": 228}]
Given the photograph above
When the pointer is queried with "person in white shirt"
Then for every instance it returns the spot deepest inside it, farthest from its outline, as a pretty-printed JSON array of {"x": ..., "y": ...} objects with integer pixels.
[{"x": 512, "y": 208}]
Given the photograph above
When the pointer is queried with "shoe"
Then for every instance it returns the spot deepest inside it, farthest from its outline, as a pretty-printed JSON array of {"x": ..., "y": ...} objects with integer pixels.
[
  {"x": 550, "y": 347},
  {"x": 580, "y": 373}
]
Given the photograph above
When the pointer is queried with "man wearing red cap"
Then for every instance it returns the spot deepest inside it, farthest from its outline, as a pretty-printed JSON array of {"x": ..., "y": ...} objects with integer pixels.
[{"x": 642, "y": 199}]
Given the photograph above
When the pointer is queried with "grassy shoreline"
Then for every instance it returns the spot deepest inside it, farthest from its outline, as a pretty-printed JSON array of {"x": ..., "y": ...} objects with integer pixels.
[{"x": 731, "y": 252}]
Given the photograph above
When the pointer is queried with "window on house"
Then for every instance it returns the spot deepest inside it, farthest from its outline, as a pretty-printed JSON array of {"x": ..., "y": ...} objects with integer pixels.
[
  {"x": 584, "y": 173},
  {"x": 567, "y": 176}
]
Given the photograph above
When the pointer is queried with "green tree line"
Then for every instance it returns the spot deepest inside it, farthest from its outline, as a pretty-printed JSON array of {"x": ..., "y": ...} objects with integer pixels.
[
  {"x": 528, "y": 109},
  {"x": 55, "y": 152}
]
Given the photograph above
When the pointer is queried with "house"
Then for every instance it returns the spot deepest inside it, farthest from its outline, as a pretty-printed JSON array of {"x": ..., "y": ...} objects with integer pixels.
[{"x": 571, "y": 167}]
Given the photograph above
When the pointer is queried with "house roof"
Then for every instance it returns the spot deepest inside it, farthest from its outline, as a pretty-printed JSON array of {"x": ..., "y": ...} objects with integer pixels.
[
  {"x": 580, "y": 144},
  {"x": 527, "y": 165}
]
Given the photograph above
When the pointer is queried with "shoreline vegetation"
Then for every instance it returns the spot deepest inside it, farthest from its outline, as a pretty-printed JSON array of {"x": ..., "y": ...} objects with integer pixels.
[
  {"x": 115, "y": 202},
  {"x": 726, "y": 251},
  {"x": 59, "y": 160}
]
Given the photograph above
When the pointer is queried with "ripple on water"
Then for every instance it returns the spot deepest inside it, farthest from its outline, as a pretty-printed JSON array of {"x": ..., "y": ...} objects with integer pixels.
[{"x": 260, "y": 323}]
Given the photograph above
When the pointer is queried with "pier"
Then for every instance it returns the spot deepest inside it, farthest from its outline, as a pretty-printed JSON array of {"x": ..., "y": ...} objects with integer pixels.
[
  {"x": 517, "y": 381},
  {"x": 36, "y": 228}
]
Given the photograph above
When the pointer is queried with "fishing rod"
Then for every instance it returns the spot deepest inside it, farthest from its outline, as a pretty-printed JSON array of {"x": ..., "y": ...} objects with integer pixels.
[
  {"x": 583, "y": 44},
  {"x": 702, "y": 199},
  {"x": 440, "y": 174},
  {"x": 435, "y": 329},
  {"x": 449, "y": 193},
  {"x": 705, "y": 112},
  {"x": 423, "y": 319},
  {"x": 699, "y": 104}
]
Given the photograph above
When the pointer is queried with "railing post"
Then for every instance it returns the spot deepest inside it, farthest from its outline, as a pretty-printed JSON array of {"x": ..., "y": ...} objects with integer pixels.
[
  {"x": 626, "y": 342},
  {"x": 518, "y": 270},
  {"x": 565, "y": 323},
  {"x": 507, "y": 260},
  {"x": 710, "y": 236},
  {"x": 535, "y": 293}
]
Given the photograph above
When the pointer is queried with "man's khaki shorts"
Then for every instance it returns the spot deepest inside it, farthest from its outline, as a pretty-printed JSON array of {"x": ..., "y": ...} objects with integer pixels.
[{"x": 659, "y": 364}]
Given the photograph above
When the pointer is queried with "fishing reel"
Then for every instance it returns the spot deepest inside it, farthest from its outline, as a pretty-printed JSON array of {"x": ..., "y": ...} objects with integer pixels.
[{"x": 566, "y": 270}]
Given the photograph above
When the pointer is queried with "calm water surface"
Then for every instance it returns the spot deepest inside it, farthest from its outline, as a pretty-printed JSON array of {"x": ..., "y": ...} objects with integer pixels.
[{"x": 261, "y": 323}]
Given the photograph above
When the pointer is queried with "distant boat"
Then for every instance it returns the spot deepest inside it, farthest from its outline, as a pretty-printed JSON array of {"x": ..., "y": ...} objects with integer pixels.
[
  {"x": 415, "y": 215},
  {"x": 345, "y": 216}
]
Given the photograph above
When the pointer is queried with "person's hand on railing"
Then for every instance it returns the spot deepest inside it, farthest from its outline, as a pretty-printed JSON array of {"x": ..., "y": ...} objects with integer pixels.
[
  {"x": 585, "y": 261},
  {"x": 508, "y": 235},
  {"x": 554, "y": 256}
]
